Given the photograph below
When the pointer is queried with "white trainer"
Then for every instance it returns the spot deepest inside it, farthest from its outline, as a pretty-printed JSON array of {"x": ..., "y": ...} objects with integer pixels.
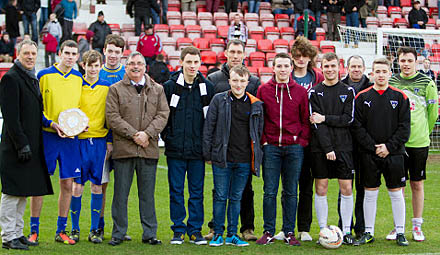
[
  {"x": 392, "y": 235},
  {"x": 418, "y": 235},
  {"x": 279, "y": 236},
  {"x": 305, "y": 236}
]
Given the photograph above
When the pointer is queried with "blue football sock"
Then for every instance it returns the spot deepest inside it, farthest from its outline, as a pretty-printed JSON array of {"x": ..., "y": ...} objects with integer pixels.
[
  {"x": 95, "y": 206},
  {"x": 101, "y": 223},
  {"x": 61, "y": 224},
  {"x": 35, "y": 224},
  {"x": 75, "y": 211}
]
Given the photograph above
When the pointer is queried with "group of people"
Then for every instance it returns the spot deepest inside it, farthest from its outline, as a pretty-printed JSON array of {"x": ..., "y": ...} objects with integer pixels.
[{"x": 303, "y": 126}]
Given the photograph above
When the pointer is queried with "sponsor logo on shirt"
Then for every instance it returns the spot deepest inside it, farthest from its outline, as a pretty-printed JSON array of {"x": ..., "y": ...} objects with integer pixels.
[{"x": 368, "y": 103}]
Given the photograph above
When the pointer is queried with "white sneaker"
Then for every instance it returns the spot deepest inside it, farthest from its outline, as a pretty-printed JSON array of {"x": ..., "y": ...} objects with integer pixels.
[
  {"x": 279, "y": 236},
  {"x": 392, "y": 235},
  {"x": 418, "y": 235},
  {"x": 305, "y": 236}
]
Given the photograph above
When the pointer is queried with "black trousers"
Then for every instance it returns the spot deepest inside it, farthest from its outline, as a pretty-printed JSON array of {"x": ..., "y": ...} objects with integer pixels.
[
  {"x": 231, "y": 6},
  {"x": 305, "y": 200}
]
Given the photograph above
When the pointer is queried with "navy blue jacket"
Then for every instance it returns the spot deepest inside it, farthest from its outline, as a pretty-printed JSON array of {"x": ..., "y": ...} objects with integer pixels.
[
  {"x": 183, "y": 133},
  {"x": 218, "y": 126}
]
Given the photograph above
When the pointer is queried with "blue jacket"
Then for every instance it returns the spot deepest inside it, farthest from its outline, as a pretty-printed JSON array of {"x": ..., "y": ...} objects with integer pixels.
[
  {"x": 218, "y": 126},
  {"x": 184, "y": 131},
  {"x": 70, "y": 9}
]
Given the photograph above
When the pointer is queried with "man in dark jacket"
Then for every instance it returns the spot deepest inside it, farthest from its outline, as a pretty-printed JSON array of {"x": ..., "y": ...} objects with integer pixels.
[
  {"x": 231, "y": 141},
  {"x": 12, "y": 20},
  {"x": 188, "y": 94},
  {"x": 427, "y": 69},
  {"x": 142, "y": 12},
  {"x": 351, "y": 9},
  {"x": 159, "y": 70},
  {"x": 29, "y": 16},
  {"x": 417, "y": 17},
  {"x": 334, "y": 9},
  {"x": 235, "y": 54},
  {"x": 311, "y": 32},
  {"x": 356, "y": 77},
  {"x": 101, "y": 29},
  {"x": 6, "y": 48},
  {"x": 22, "y": 165}
]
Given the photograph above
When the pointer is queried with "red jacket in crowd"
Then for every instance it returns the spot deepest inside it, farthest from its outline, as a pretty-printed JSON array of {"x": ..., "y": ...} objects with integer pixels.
[
  {"x": 149, "y": 45},
  {"x": 286, "y": 113},
  {"x": 51, "y": 42}
]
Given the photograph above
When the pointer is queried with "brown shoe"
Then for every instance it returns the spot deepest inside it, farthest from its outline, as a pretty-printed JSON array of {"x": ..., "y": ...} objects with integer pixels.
[
  {"x": 210, "y": 235},
  {"x": 249, "y": 235}
]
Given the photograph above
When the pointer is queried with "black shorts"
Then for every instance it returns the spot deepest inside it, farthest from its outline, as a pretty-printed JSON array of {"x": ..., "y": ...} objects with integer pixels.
[
  {"x": 415, "y": 163},
  {"x": 392, "y": 168},
  {"x": 341, "y": 168}
]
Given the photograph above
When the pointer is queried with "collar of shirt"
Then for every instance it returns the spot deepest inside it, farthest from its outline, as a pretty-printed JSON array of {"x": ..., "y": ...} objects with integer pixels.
[
  {"x": 141, "y": 83},
  {"x": 243, "y": 98}
]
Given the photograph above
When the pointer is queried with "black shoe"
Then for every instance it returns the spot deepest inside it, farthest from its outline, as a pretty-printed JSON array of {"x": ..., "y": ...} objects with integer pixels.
[
  {"x": 152, "y": 241},
  {"x": 14, "y": 244},
  {"x": 127, "y": 238},
  {"x": 115, "y": 241},
  {"x": 366, "y": 238},
  {"x": 350, "y": 240},
  {"x": 25, "y": 241},
  {"x": 100, "y": 232},
  {"x": 401, "y": 240}
]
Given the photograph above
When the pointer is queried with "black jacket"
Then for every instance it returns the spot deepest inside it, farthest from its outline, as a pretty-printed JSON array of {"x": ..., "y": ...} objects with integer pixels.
[
  {"x": 142, "y": 7},
  {"x": 22, "y": 108},
  {"x": 334, "y": 8},
  {"x": 29, "y": 6},
  {"x": 218, "y": 126},
  {"x": 159, "y": 72},
  {"x": 311, "y": 26},
  {"x": 183, "y": 134},
  {"x": 336, "y": 103},
  {"x": 350, "y": 4},
  {"x": 315, "y": 5},
  {"x": 7, "y": 48},
  {"x": 300, "y": 5},
  {"x": 429, "y": 73},
  {"x": 220, "y": 79},
  {"x": 358, "y": 86},
  {"x": 100, "y": 30},
  {"x": 12, "y": 19},
  {"x": 417, "y": 15},
  {"x": 382, "y": 119}
]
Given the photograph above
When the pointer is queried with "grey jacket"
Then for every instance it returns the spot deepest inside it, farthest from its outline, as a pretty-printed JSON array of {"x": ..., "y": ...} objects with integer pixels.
[{"x": 217, "y": 129}]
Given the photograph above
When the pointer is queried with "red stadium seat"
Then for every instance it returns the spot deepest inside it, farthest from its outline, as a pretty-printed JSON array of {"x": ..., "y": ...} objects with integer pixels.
[
  {"x": 282, "y": 20},
  {"x": 132, "y": 42},
  {"x": 201, "y": 44},
  {"x": 272, "y": 33},
  {"x": 328, "y": 48},
  {"x": 315, "y": 43},
  {"x": 223, "y": 31},
  {"x": 174, "y": 4},
  {"x": 435, "y": 48},
  {"x": 267, "y": 20},
  {"x": 193, "y": 31},
  {"x": 205, "y": 19},
  {"x": 116, "y": 29},
  {"x": 201, "y": 8},
  {"x": 4, "y": 68},
  {"x": 204, "y": 70},
  {"x": 265, "y": 74},
  {"x": 386, "y": 22},
  {"x": 79, "y": 28},
  {"x": 257, "y": 59},
  {"x": 169, "y": 44},
  {"x": 127, "y": 28},
  {"x": 269, "y": 58},
  {"x": 256, "y": 33},
  {"x": 251, "y": 20},
  {"x": 320, "y": 34},
  {"x": 162, "y": 30},
  {"x": 372, "y": 22},
  {"x": 251, "y": 46},
  {"x": 210, "y": 32},
  {"x": 382, "y": 12},
  {"x": 189, "y": 18},
  {"x": 265, "y": 45},
  {"x": 394, "y": 9},
  {"x": 405, "y": 3},
  {"x": 217, "y": 44},
  {"x": 174, "y": 58},
  {"x": 401, "y": 23},
  {"x": 183, "y": 43},
  {"x": 430, "y": 24},
  {"x": 281, "y": 45},
  {"x": 253, "y": 70},
  {"x": 265, "y": 7},
  {"x": 221, "y": 19},
  {"x": 174, "y": 18},
  {"x": 177, "y": 31},
  {"x": 221, "y": 57},
  {"x": 208, "y": 57},
  {"x": 232, "y": 16},
  {"x": 287, "y": 33}
]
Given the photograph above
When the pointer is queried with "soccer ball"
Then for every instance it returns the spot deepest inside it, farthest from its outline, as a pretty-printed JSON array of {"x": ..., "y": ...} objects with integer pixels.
[{"x": 330, "y": 237}]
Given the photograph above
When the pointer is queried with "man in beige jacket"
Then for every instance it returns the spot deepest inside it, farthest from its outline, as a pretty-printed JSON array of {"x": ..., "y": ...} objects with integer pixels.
[{"x": 136, "y": 111}]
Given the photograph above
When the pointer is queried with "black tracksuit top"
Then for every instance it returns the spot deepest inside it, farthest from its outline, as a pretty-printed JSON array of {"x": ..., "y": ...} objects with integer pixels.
[
  {"x": 337, "y": 104},
  {"x": 382, "y": 119}
]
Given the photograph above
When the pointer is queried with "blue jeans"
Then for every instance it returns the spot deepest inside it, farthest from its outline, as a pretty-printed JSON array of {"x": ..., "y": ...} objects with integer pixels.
[
  {"x": 31, "y": 20},
  {"x": 43, "y": 17},
  {"x": 352, "y": 20},
  {"x": 195, "y": 171},
  {"x": 285, "y": 161},
  {"x": 254, "y": 6},
  {"x": 155, "y": 16},
  {"x": 229, "y": 184}
]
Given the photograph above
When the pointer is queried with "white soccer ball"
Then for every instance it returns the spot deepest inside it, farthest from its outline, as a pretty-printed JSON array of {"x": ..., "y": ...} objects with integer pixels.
[{"x": 331, "y": 237}]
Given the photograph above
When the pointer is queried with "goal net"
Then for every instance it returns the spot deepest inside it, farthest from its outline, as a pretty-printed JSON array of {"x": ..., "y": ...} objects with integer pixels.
[{"x": 386, "y": 41}]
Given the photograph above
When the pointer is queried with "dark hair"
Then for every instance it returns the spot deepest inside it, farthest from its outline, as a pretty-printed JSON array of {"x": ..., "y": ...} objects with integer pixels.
[
  {"x": 91, "y": 57},
  {"x": 329, "y": 56},
  {"x": 282, "y": 55},
  {"x": 355, "y": 57},
  {"x": 382, "y": 61},
  {"x": 116, "y": 40},
  {"x": 405, "y": 50},
  {"x": 235, "y": 42},
  {"x": 68, "y": 43},
  {"x": 191, "y": 50},
  {"x": 240, "y": 70},
  {"x": 305, "y": 48},
  {"x": 160, "y": 57},
  {"x": 149, "y": 26}
]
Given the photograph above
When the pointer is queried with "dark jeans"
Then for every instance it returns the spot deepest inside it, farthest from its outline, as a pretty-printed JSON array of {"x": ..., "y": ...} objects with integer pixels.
[
  {"x": 231, "y": 6},
  {"x": 212, "y": 5},
  {"x": 148, "y": 62},
  {"x": 352, "y": 20},
  {"x": 46, "y": 58},
  {"x": 139, "y": 20},
  {"x": 67, "y": 30},
  {"x": 305, "y": 201},
  {"x": 254, "y": 6},
  {"x": 285, "y": 161},
  {"x": 32, "y": 21},
  {"x": 333, "y": 19},
  {"x": 229, "y": 184},
  {"x": 146, "y": 181},
  {"x": 195, "y": 172},
  {"x": 44, "y": 15}
]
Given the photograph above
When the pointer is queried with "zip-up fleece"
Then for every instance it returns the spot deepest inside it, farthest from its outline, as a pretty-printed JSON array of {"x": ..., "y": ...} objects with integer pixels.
[
  {"x": 286, "y": 115},
  {"x": 217, "y": 130}
]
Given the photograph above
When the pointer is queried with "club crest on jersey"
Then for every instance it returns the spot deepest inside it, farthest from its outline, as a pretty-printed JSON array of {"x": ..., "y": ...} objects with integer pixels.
[
  {"x": 343, "y": 98},
  {"x": 368, "y": 103},
  {"x": 393, "y": 103},
  {"x": 416, "y": 90}
]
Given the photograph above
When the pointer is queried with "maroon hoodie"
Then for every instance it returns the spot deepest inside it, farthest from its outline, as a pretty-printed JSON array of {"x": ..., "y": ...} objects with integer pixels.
[{"x": 286, "y": 114}]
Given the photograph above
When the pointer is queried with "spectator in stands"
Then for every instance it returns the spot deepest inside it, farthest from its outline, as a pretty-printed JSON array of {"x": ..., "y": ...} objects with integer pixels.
[
  {"x": 311, "y": 32},
  {"x": 83, "y": 47},
  {"x": 212, "y": 5},
  {"x": 159, "y": 70},
  {"x": 156, "y": 15},
  {"x": 254, "y": 6},
  {"x": 50, "y": 48},
  {"x": 12, "y": 19},
  {"x": 417, "y": 17},
  {"x": 351, "y": 9},
  {"x": 315, "y": 8},
  {"x": 231, "y": 5},
  {"x": 70, "y": 13},
  {"x": 101, "y": 29},
  {"x": 334, "y": 9},
  {"x": 238, "y": 30},
  {"x": 214, "y": 69},
  {"x": 367, "y": 10},
  {"x": 282, "y": 7},
  {"x": 6, "y": 49},
  {"x": 299, "y": 7},
  {"x": 149, "y": 45},
  {"x": 142, "y": 13},
  {"x": 29, "y": 16},
  {"x": 44, "y": 13},
  {"x": 190, "y": 5},
  {"x": 427, "y": 69},
  {"x": 54, "y": 28}
]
